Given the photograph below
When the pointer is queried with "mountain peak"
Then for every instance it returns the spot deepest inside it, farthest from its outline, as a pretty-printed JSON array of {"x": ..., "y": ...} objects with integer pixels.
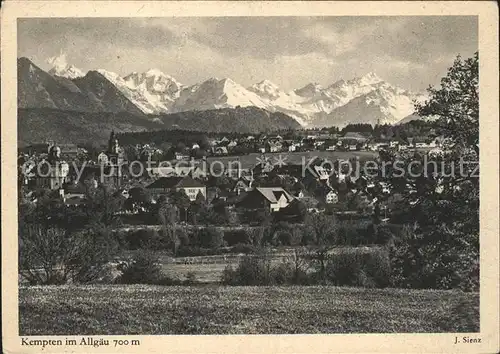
[
  {"x": 69, "y": 71},
  {"x": 213, "y": 79},
  {"x": 227, "y": 80},
  {"x": 338, "y": 83},
  {"x": 154, "y": 72},
  {"x": 266, "y": 89},
  {"x": 309, "y": 90},
  {"x": 62, "y": 68},
  {"x": 268, "y": 83},
  {"x": 370, "y": 78}
]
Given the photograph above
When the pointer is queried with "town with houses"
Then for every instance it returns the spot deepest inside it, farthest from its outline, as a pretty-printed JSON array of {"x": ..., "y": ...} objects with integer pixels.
[{"x": 266, "y": 180}]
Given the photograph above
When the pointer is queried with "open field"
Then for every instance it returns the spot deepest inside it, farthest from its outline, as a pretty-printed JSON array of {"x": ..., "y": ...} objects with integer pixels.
[
  {"x": 116, "y": 309},
  {"x": 204, "y": 273},
  {"x": 250, "y": 160},
  {"x": 208, "y": 269}
]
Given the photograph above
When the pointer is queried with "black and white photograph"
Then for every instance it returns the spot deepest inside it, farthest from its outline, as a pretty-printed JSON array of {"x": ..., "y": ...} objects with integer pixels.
[{"x": 222, "y": 175}]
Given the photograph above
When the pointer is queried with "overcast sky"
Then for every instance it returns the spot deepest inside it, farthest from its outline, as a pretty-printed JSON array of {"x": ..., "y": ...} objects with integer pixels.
[{"x": 411, "y": 52}]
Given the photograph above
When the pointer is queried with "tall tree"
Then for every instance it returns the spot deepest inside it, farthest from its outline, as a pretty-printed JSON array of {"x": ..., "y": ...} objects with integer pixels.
[{"x": 441, "y": 248}]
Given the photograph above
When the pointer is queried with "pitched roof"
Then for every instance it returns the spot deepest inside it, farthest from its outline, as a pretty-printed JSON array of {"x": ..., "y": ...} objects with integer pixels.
[
  {"x": 175, "y": 182},
  {"x": 273, "y": 194}
]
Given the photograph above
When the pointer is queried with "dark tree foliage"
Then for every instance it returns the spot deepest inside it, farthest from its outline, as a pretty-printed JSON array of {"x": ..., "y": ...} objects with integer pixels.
[
  {"x": 359, "y": 127},
  {"x": 60, "y": 243},
  {"x": 441, "y": 246}
]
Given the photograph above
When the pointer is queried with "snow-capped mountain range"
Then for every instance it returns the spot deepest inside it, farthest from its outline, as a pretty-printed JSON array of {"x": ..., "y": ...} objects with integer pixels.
[{"x": 366, "y": 99}]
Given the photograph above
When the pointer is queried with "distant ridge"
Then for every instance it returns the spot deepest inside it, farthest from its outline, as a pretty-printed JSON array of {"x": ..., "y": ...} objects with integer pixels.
[{"x": 365, "y": 99}]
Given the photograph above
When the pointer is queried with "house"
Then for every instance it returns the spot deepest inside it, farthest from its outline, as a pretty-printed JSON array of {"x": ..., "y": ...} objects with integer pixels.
[
  {"x": 102, "y": 158},
  {"x": 68, "y": 151},
  {"x": 273, "y": 146},
  {"x": 243, "y": 184},
  {"x": 232, "y": 144},
  {"x": 331, "y": 197},
  {"x": 318, "y": 143},
  {"x": 74, "y": 190},
  {"x": 272, "y": 198},
  {"x": 27, "y": 172},
  {"x": 421, "y": 142},
  {"x": 165, "y": 185},
  {"x": 332, "y": 147},
  {"x": 393, "y": 143},
  {"x": 320, "y": 173},
  {"x": 220, "y": 150},
  {"x": 353, "y": 147},
  {"x": 181, "y": 156},
  {"x": 403, "y": 147},
  {"x": 74, "y": 194},
  {"x": 377, "y": 146}
]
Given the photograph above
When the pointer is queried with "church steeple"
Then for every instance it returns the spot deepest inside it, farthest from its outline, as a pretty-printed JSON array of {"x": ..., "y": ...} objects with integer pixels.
[{"x": 112, "y": 143}]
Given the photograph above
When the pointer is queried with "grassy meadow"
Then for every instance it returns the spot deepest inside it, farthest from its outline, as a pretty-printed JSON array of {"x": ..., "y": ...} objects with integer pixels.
[{"x": 212, "y": 309}]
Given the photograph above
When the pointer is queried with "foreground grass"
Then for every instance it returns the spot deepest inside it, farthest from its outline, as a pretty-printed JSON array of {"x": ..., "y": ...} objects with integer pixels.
[{"x": 116, "y": 309}]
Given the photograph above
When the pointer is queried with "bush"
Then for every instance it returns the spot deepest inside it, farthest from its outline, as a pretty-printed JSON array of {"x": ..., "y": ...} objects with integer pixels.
[
  {"x": 388, "y": 233},
  {"x": 144, "y": 269},
  {"x": 257, "y": 235},
  {"x": 296, "y": 236},
  {"x": 448, "y": 262},
  {"x": 355, "y": 233},
  {"x": 250, "y": 271},
  {"x": 190, "y": 278},
  {"x": 192, "y": 251},
  {"x": 210, "y": 237},
  {"x": 63, "y": 256},
  {"x": 143, "y": 239},
  {"x": 283, "y": 273},
  {"x": 229, "y": 276},
  {"x": 237, "y": 236},
  {"x": 242, "y": 248},
  {"x": 259, "y": 271},
  {"x": 183, "y": 237},
  {"x": 359, "y": 269}
]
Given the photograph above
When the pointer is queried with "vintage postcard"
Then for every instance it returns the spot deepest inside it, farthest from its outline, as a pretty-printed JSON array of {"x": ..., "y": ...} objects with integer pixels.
[{"x": 254, "y": 177}]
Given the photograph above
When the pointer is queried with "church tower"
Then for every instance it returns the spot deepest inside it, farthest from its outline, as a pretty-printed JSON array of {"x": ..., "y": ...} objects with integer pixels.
[{"x": 115, "y": 159}]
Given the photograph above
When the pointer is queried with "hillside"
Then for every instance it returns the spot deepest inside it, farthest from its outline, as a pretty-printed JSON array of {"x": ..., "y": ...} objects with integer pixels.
[
  {"x": 38, "y": 89},
  {"x": 239, "y": 119},
  {"x": 36, "y": 125},
  {"x": 100, "y": 89}
]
